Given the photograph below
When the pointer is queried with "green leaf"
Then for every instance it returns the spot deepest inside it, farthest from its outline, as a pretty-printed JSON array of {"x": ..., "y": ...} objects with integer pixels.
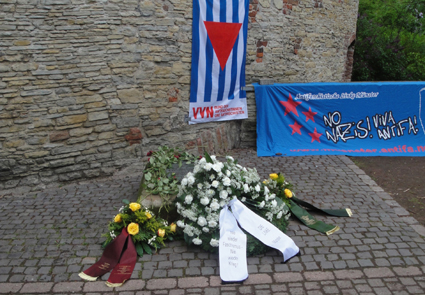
[
  {"x": 125, "y": 201},
  {"x": 139, "y": 249},
  {"x": 188, "y": 239},
  {"x": 152, "y": 160},
  {"x": 148, "y": 176},
  {"x": 147, "y": 248},
  {"x": 208, "y": 158}
]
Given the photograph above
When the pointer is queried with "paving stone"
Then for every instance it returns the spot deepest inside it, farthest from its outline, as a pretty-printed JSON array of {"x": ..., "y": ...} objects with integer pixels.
[{"x": 361, "y": 258}]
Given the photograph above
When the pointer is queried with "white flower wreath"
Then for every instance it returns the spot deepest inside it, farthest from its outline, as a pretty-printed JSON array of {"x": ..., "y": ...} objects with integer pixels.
[{"x": 212, "y": 185}]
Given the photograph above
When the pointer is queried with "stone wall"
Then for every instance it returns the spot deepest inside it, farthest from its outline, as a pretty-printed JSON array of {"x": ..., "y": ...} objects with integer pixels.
[{"x": 89, "y": 86}]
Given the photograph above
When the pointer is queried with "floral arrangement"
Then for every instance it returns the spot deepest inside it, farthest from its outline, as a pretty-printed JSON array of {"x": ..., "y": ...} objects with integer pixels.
[
  {"x": 147, "y": 231},
  {"x": 156, "y": 181},
  {"x": 212, "y": 185}
]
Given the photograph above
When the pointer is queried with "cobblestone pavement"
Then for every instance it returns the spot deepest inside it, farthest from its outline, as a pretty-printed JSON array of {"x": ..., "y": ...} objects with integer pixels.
[{"x": 48, "y": 237}]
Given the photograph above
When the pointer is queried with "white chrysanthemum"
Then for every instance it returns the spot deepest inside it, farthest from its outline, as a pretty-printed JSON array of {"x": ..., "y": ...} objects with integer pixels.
[
  {"x": 184, "y": 181},
  {"x": 210, "y": 193},
  {"x": 226, "y": 181},
  {"x": 191, "y": 180},
  {"x": 228, "y": 173},
  {"x": 223, "y": 194},
  {"x": 279, "y": 215},
  {"x": 199, "y": 186},
  {"x": 274, "y": 203},
  {"x": 266, "y": 190},
  {"x": 188, "y": 230},
  {"x": 243, "y": 199},
  {"x": 188, "y": 199},
  {"x": 206, "y": 229},
  {"x": 246, "y": 188},
  {"x": 216, "y": 167},
  {"x": 230, "y": 158},
  {"x": 202, "y": 161},
  {"x": 205, "y": 201},
  {"x": 215, "y": 183},
  {"x": 202, "y": 221},
  {"x": 214, "y": 243},
  {"x": 222, "y": 203},
  {"x": 180, "y": 224},
  {"x": 272, "y": 196},
  {"x": 257, "y": 188},
  {"x": 212, "y": 223},
  {"x": 196, "y": 169},
  {"x": 214, "y": 205},
  {"x": 262, "y": 204},
  {"x": 208, "y": 166},
  {"x": 197, "y": 241},
  {"x": 212, "y": 177}
]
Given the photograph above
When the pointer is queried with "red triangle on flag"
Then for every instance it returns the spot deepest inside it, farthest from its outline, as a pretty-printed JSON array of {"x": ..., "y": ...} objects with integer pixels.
[{"x": 222, "y": 37}]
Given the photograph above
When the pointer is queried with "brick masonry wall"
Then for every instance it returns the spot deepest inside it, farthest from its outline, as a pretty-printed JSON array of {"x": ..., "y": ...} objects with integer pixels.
[{"x": 89, "y": 86}]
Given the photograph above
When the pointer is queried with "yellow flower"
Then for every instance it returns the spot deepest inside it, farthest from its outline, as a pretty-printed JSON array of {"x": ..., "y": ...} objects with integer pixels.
[
  {"x": 118, "y": 218},
  {"x": 274, "y": 176},
  {"x": 173, "y": 227},
  {"x": 288, "y": 193},
  {"x": 134, "y": 206},
  {"x": 265, "y": 182},
  {"x": 148, "y": 215},
  {"x": 161, "y": 232},
  {"x": 133, "y": 228}
]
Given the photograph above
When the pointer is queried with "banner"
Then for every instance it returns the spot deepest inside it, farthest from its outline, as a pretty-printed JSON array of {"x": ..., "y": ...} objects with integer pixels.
[
  {"x": 354, "y": 119},
  {"x": 219, "y": 36}
]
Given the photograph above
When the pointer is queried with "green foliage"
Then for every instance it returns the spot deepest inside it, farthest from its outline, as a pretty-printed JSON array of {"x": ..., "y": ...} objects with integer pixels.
[
  {"x": 156, "y": 180},
  {"x": 390, "y": 43}
]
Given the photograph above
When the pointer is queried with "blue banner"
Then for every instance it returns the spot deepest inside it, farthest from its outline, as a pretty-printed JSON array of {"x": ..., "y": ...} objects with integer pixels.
[{"x": 354, "y": 119}]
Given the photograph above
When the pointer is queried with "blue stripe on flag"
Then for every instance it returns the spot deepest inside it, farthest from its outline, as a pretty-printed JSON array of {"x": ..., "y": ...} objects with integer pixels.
[
  {"x": 195, "y": 54},
  {"x": 245, "y": 34}
]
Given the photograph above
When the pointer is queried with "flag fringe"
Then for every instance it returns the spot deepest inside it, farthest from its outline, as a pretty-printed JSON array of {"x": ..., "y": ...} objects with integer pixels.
[
  {"x": 329, "y": 232},
  {"x": 349, "y": 212},
  {"x": 87, "y": 277},
  {"x": 114, "y": 285}
]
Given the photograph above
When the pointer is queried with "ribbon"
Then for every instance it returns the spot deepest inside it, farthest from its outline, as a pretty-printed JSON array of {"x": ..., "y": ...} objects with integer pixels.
[
  {"x": 120, "y": 256},
  {"x": 334, "y": 212},
  {"x": 232, "y": 249},
  {"x": 109, "y": 258},
  {"x": 263, "y": 230},
  {"x": 310, "y": 221},
  {"x": 123, "y": 270}
]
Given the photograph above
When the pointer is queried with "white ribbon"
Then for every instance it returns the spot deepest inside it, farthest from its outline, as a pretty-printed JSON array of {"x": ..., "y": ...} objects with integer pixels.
[
  {"x": 232, "y": 249},
  {"x": 263, "y": 230}
]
